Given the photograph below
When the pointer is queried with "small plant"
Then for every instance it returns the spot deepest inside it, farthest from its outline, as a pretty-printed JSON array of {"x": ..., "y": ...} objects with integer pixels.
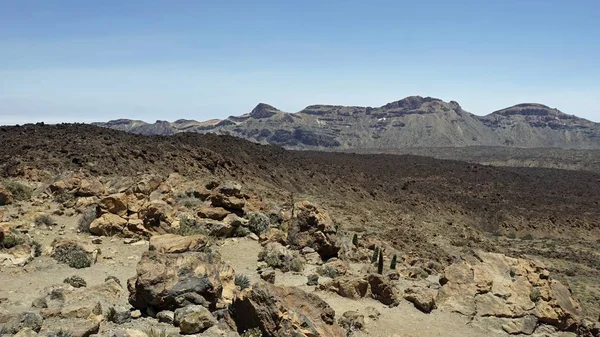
[
  {"x": 355, "y": 240},
  {"x": 188, "y": 199},
  {"x": 511, "y": 235},
  {"x": 375, "y": 255},
  {"x": 85, "y": 220},
  {"x": 12, "y": 241},
  {"x": 61, "y": 333},
  {"x": 63, "y": 197},
  {"x": 44, "y": 220},
  {"x": 380, "y": 263},
  {"x": 255, "y": 332},
  {"x": 20, "y": 192},
  {"x": 297, "y": 264},
  {"x": 527, "y": 237},
  {"x": 258, "y": 223},
  {"x": 72, "y": 255},
  {"x": 242, "y": 281},
  {"x": 535, "y": 294},
  {"x": 37, "y": 248},
  {"x": 75, "y": 281},
  {"x": 156, "y": 333},
  {"x": 393, "y": 263},
  {"x": 327, "y": 270},
  {"x": 189, "y": 226}
]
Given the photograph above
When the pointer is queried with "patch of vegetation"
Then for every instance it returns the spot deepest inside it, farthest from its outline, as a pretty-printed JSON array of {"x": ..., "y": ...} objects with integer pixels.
[
  {"x": 75, "y": 281},
  {"x": 12, "y": 241},
  {"x": 535, "y": 294},
  {"x": 189, "y": 226},
  {"x": 258, "y": 223},
  {"x": 19, "y": 191},
  {"x": 44, "y": 220},
  {"x": 188, "y": 199},
  {"x": 156, "y": 333},
  {"x": 255, "y": 332},
  {"x": 72, "y": 255},
  {"x": 527, "y": 237},
  {"x": 242, "y": 281},
  {"x": 297, "y": 264},
  {"x": 417, "y": 272},
  {"x": 511, "y": 235},
  {"x": 86, "y": 219},
  {"x": 327, "y": 270},
  {"x": 64, "y": 197},
  {"x": 37, "y": 248}
]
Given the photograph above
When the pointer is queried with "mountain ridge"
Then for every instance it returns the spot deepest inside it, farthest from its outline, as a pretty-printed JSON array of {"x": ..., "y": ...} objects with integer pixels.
[{"x": 413, "y": 121}]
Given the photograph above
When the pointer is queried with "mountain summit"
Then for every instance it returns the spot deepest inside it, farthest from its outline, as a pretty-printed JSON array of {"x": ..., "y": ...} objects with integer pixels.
[{"x": 414, "y": 121}]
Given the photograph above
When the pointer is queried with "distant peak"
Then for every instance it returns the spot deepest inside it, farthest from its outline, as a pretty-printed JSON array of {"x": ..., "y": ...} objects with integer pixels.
[
  {"x": 411, "y": 102},
  {"x": 263, "y": 110},
  {"x": 529, "y": 109}
]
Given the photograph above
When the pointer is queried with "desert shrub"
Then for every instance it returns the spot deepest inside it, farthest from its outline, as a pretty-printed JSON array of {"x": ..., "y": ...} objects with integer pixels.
[
  {"x": 535, "y": 294},
  {"x": 189, "y": 226},
  {"x": 85, "y": 220},
  {"x": 75, "y": 281},
  {"x": 240, "y": 232},
  {"x": 327, "y": 270},
  {"x": 355, "y": 239},
  {"x": 527, "y": 237},
  {"x": 44, "y": 220},
  {"x": 417, "y": 272},
  {"x": 156, "y": 332},
  {"x": 242, "y": 281},
  {"x": 511, "y": 235},
  {"x": 393, "y": 263},
  {"x": 188, "y": 199},
  {"x": 434, "y": 266},
  {"x": 73, "y": 256},
  {"x": 258, "y": 223},
  {"x": 61, "y": 333},
  {"x": 255, "y": 332},
  {"x": 570, "y": 272},
  {"x": 19, "y": 191},
  {"x": 63, "y": 197},
  {"x": 12, "y": 241},
  {"x": 297, "y": 264},
  {"x": 37, "y": 248}
]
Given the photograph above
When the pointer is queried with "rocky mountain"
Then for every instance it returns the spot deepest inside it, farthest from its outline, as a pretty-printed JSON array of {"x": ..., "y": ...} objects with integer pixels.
[{"x": 411, "y": 122}]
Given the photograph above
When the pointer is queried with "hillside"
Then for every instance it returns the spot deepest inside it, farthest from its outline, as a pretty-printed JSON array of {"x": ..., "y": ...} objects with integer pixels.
[{"x": 408, "y": 123}]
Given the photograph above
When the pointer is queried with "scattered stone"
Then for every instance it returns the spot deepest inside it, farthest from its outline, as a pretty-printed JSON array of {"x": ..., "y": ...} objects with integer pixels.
[
  {"x": 136, "y": 314},
  {"x": 268, "y": 275},
  {"x": 372, "y": 313},
  {"x": 166, "y": 316},
  {"x": 193, "y": 319},
  {"x": 422, "y": 298},
  {"x": 76, "y": 281}
]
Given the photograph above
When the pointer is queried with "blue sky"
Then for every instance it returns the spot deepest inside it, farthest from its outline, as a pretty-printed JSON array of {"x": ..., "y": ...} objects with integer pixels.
[{"x": 100, "y": 60}]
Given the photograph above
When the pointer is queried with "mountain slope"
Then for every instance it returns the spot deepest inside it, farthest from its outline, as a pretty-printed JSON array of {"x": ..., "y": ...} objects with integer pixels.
[{"x": 411, "y": 122}]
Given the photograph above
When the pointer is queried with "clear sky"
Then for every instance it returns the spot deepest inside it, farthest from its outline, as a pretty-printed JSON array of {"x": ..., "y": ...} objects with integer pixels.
[{"x": 98, "y": 60}]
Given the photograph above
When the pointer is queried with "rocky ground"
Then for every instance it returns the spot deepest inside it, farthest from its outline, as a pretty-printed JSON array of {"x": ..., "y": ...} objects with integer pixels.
[{"x": 220, "y": 248}]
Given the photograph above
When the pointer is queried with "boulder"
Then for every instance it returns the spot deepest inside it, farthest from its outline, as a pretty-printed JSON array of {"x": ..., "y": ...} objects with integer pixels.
[
  {"x": 117, "y": 203},
  {"x": 422, "y": 298},
  {"x": 90, "y": 187},
  {"x": 166, "y": 316},
  {"x": 284, "y": 311},
  {"x": 147, "y": 184},
  {"x": 193, "y": 319},
  {"x": 76, "y": 327},
  {"x": 268, "y": 275},
  {"x": 172, "y": 281},
  {"x": 172, "y": 243},
  {"x": 312, "y": 227},
  {"x": 278, "y": 256},
  {"x": 25, "y": 332},
  {"x": 497, "y": 286},
  {"x": 108, "y": 224},
  {"x": 382, "y": 290},
  {"x": 157, "y": 216},
  {"x": 274, "y": 235},
  {"x": 348, "y": 286},
  {"x": 214, "y": 213}
]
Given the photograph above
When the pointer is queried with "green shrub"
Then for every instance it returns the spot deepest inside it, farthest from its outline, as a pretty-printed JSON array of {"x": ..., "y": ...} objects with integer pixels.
[
  {"x": 19, "y": 191},
  {"x": 327, "y": 270},
  {"x": 64, "y": 197},
  {"x": 393, "y": 264},
  {"x": 12, "y": 241},
  {"x": 72, "y": 255},
  {"x": 297, "y": 264},
  {"x": 37, "y": 248},
  {"x": 85, "y": 220},
  {"x": 375, "y": 255},
  {"x": 111, "y": 315},
  {"x": 535, "y": 294},
  {"x": 355, "y": 240},
  {"x": 44, "y": 220},
  {"x": 188, "y": 199},
  {"x": 189, "y": 226},
  {"x": 258, "y": 223},
  {"x": 242, "y": 281},
  {"x": 527, "y": 237}
]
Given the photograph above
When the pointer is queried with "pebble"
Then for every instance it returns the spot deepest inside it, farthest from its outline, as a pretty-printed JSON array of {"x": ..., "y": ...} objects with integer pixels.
[{"x": 136, "y": 314}]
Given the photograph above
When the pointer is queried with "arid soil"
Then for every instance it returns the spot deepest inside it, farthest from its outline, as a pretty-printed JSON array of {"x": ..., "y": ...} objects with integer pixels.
[{"x": 433, "y": 214}]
